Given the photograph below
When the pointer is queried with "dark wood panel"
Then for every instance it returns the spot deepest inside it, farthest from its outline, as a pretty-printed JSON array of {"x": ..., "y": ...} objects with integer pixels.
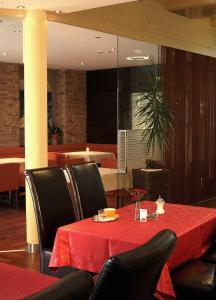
[{"x": 189, "y": 81}]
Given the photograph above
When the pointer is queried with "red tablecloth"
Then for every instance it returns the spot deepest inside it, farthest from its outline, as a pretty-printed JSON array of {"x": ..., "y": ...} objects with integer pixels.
[
  {"x": 87, "y": 244},
  {"x": 17, "y": 283}
]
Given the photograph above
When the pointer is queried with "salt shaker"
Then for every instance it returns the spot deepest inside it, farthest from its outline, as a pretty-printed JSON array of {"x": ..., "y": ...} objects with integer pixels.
[{"x": 160, "y": 205}]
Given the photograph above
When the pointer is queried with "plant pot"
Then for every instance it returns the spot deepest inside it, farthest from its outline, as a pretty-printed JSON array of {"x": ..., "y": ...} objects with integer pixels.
[
  {"x": 154, "y": 181},
  {"x": 55, "y": 139}
]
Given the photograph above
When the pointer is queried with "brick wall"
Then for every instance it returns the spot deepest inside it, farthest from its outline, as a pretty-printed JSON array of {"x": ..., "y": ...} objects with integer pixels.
[
  {"x": 69, "y": 107},
  {"x": 9, "y": 105}
]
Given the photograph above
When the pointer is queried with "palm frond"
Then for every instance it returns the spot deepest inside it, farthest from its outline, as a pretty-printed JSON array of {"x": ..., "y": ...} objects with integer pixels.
[{"x": 153, "y": 111}]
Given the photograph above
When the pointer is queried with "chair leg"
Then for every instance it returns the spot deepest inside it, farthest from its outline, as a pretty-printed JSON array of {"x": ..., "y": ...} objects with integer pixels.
[
  {"x": 16, "y": 198},
  {"x": 11, "y": 198},
  {"x": 119, "y": 201}
]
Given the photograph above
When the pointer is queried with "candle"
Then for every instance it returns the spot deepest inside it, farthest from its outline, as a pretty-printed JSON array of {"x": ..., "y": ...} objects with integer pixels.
[{"x": 87, "y": 149}]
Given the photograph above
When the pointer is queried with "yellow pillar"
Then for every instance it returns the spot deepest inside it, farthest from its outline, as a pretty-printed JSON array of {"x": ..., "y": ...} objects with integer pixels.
[{"x": 35, "y": 80}]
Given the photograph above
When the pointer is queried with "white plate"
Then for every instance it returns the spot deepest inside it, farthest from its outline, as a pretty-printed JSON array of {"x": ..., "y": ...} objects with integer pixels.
[{"x": 105, "y": 219}]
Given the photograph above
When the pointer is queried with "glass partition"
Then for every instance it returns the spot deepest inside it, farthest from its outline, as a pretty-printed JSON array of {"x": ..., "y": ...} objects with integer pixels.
[{"x": 136, "y": 64}]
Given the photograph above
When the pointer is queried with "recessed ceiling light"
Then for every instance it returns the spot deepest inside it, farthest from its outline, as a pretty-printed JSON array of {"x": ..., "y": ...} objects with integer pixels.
[
  {"x": 82, "y": 63},
  {"x": 106, "y": 52},
  {"x": 21, "y": 7},
  {"x": 137, "y": 57},
  {"x": 137, "y": 51},
  {"x": 58, "y": 11},
  {"x": 4, "y": 53}
]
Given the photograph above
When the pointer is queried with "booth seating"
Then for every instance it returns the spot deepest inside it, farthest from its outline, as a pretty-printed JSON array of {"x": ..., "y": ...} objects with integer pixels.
[
  {"x": 61, "y": 148},
  {"x": 56, "y": 156}
]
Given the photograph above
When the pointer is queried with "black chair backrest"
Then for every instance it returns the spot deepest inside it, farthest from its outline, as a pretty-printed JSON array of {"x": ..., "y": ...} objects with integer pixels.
[
  {"x": 88, "y": 187},
  {"x": 77, "y": 286},
  {"x": 134, "y": 274},
  {"x": 52, "y": 202}
]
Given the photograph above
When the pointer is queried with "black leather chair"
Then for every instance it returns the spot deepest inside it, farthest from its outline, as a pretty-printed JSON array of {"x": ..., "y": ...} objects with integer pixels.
[
  {"x": 75, "y": 286},
  {"x": 88, "y": 188},
  {"x": 133, "y": 275},
  {"x": 195, "y": 280},
  {"x": 53, "y": 208},
  {"x": 210, "y": 255}
]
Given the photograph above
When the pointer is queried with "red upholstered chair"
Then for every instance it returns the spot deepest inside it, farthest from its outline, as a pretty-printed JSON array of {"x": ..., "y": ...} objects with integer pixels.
[
  {"x": 109, "y": 162},
  {"x": 56, "y": 159},
  {"x": 21, "y": 175},
  {"x": 9, "y": 180}
]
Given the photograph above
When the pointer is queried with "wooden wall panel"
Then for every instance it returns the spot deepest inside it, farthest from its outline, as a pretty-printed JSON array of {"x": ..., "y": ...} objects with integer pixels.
[{"x": 189, "y": 81}]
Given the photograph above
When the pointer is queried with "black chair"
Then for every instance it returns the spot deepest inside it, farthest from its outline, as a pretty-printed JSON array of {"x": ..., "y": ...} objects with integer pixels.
[
  {"x": 75, "y": 286},
  {"x": 195, "y": 280},
  {"x": 133, "y": 275},
  {"x": 88, "y": 188},
  {"x": 210, "y": 255},
  {"x": 53, "y": 208}
]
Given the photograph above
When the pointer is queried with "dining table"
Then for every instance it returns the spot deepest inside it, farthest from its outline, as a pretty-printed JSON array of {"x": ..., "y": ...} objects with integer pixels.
[
  {"x": 10, "y": 160},
  {"x": 88, "y": 244},
  {"x": 113, "y": 179},
  {"x": 88, "y": 156}
]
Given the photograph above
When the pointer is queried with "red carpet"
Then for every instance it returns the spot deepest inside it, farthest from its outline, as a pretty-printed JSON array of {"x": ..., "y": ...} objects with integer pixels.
[{"x": 17, "y": 283}]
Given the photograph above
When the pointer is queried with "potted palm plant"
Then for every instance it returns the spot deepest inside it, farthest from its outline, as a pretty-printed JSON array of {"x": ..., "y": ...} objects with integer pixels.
[
  {"x": 154, "y": 115},
  {"x": 153, "y": 112}
]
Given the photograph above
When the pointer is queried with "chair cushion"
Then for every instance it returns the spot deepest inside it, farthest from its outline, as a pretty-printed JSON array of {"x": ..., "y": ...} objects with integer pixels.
[{"x": 195, "y": 275}]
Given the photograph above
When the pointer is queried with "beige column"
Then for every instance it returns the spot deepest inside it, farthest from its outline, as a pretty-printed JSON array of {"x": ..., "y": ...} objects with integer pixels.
[{"x": 35, "y": 80}]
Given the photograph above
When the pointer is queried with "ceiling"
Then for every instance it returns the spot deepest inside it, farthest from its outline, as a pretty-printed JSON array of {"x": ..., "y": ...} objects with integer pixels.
[
  {"x": 193, "y": 9},
  {"x": 77, "y": 48},
  {"x": 63, "y": 5},
  {"x": 71, "y": 47}
]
